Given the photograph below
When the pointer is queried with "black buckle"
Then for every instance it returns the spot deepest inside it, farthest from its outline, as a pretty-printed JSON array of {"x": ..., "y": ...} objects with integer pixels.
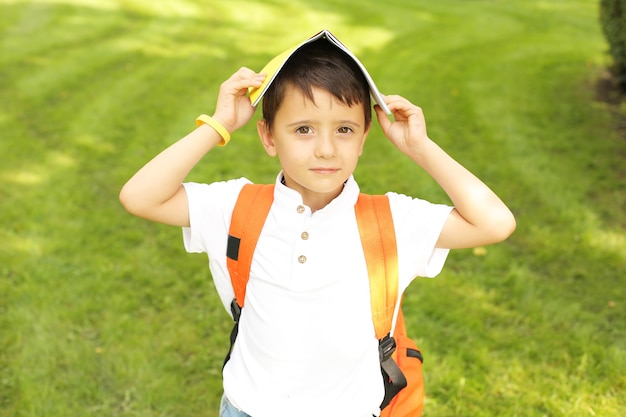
[
  {"x": 236, "y": 310},
  {"x": 386, "y": 347}
]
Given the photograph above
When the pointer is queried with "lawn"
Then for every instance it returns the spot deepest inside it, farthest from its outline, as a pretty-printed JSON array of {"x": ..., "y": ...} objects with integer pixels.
[{"x": 104, "y": 314}]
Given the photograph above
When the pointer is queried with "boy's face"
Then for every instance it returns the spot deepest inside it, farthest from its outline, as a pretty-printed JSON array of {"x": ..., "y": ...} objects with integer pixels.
[{"x": 318, "y": 143}]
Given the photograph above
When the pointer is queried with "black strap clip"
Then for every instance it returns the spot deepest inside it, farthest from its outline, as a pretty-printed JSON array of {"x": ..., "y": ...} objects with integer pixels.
[
  {"x": 393, "y": 377},
  {"x": 236, "y": 310},
  {"x": 386, "y": 347}
]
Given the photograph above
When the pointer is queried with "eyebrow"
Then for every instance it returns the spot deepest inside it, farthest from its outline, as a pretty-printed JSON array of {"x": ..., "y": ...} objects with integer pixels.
[{"x": 308, "y": 122}]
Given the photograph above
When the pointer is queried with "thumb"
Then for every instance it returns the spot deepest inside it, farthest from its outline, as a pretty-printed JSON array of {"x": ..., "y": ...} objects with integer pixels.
[{"x": 382, "y": 117}]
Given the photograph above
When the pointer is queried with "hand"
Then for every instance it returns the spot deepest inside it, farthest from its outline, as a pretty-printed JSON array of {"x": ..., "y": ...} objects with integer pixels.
[
  {"x": 233, "y": 108},
  {"x": 479, "y": 216},
  {"x": 408, "y": 130}
]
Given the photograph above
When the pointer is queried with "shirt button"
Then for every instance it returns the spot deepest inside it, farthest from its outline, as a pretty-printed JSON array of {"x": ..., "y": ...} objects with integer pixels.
[
  {"x": 300, "y": 209},
  {"x": 302, "y": 259},
  {"x": 304, "y": 236}
]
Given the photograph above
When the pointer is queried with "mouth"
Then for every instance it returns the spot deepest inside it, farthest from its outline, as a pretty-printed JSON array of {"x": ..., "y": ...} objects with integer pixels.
[{"x": 325, "y": 171}]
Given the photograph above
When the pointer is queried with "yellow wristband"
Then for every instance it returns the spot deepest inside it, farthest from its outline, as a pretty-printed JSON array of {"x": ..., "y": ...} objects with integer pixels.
[{"x": 221, "y": 130}]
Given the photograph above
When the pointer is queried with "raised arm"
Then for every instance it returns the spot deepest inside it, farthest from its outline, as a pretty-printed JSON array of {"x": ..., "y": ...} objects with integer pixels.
[
  {"x": 155, "y": 192},
  {"x": 479, "y": 217}
]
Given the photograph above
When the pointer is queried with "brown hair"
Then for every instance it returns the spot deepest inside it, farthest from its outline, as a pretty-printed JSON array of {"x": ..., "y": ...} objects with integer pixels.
[{"x": 319, "y": 64}]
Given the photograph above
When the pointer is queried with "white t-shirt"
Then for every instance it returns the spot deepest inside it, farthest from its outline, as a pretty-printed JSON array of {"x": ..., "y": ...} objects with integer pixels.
[{"x": 306, "y": 343}]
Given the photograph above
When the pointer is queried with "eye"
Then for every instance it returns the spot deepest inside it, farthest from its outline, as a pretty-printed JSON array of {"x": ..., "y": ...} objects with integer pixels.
[
  {"x": 344, "y": 130},
  {"x": 304, "y": 130}
]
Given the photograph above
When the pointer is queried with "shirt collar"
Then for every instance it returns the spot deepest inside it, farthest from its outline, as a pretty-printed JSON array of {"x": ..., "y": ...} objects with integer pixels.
[{"x": 289, "y": 199}]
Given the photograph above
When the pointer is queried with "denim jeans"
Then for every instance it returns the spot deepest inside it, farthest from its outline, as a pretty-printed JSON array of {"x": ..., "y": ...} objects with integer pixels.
[{"x": 229, "y": 410}]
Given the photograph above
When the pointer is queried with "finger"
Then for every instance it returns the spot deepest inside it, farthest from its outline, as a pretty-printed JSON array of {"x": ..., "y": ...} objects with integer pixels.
[
  {"x": 243, "y": 72},
  {"x": 383, "y": 119},
  {"x": 397, "y": 102},
  {"x": 238, "y": 84},
  {"x": 401, "y": 107},
  {"x": 248, "y": 74}
]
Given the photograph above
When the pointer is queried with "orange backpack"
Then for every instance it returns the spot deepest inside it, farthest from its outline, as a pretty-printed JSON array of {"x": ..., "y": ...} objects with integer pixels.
[{"x": 400, "y": 359}]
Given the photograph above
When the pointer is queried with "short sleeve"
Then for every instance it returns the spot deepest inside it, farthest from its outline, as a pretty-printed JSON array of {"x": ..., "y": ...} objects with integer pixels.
[
  {"x": 210, "y": 210},
  {"x": 418, "y": 224}
]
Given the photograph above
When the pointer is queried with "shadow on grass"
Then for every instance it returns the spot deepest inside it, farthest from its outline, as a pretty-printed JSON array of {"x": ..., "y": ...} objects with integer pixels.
[{"x": 105, "y": 314}]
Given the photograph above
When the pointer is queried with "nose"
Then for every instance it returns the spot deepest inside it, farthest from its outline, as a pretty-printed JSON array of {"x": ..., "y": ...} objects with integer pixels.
[{"x": 325, "y": 145}]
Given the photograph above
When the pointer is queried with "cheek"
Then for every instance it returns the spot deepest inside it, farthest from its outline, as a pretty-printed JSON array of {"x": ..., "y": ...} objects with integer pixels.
[
  {"x": 356, "y": 148},
  {"x": 361, "y": 146},
  {"x": 291, "y": 154}
]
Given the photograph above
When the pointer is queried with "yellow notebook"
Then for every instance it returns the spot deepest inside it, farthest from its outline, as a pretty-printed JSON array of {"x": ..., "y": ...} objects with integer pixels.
[{"x": 274, "y": 66}]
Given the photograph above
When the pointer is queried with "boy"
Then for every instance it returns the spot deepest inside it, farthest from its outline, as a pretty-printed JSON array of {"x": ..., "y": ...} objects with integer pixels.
[{"x": 309, "y": 291}]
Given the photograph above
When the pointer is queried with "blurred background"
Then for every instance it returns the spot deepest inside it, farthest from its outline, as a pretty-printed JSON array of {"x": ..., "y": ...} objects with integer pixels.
[{"x": 104, "y": 314}]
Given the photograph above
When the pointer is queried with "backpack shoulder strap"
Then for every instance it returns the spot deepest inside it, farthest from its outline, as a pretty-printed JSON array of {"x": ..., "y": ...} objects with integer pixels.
[
  {"x": 373, "y": 215},
  {"x": 251, "y": 210},
  {"x": 375, "y": 223},
  {"x": 378, "y": 237}
]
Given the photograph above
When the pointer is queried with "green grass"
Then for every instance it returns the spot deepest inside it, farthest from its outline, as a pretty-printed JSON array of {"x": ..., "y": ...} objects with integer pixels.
[{"x": 103, "y": 314}]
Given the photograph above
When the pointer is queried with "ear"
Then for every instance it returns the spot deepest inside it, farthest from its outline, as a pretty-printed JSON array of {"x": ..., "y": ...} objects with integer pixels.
[{"x": 266, "y": 137}]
